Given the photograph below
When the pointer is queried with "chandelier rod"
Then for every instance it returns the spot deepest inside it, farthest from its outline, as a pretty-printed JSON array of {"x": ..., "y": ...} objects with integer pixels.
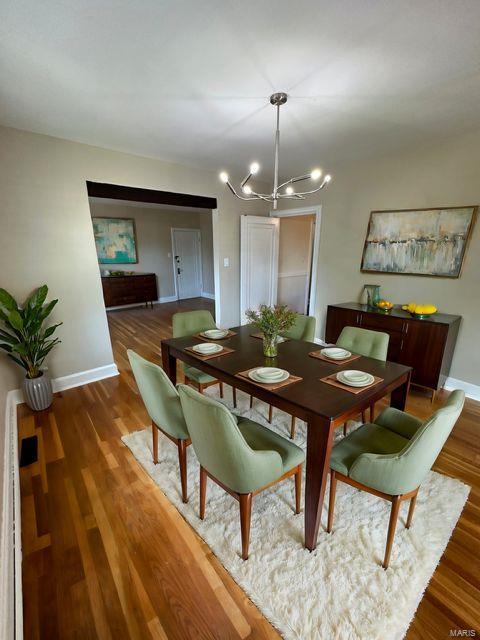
[{"x": 277, "y": 152}]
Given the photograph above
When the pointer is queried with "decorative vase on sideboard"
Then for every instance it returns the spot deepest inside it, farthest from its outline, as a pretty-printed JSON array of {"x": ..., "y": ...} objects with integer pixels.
[{"x": 38, "y": 392}]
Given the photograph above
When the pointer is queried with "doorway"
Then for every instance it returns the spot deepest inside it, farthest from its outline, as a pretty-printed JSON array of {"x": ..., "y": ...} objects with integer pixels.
[{"x": 187, "y": 263}]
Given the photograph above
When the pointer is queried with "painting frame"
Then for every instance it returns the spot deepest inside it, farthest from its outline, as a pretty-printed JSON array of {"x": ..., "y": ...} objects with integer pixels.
[
  {"x": 468, "y": 235},
  {"x": 131, "y": 221}
]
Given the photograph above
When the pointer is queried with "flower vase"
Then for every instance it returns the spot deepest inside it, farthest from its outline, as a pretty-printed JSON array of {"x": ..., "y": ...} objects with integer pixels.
[{"x": 270, "y": 343}]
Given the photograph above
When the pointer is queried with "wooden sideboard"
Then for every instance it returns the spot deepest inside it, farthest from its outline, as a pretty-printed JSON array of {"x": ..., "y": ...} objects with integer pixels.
[
  {"x": 426, "y": 345},
  {"x": 131, "y": 289}
]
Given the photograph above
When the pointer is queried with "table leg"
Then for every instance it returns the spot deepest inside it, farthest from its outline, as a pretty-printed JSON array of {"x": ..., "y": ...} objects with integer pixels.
[
  {"x": 319, "y": 446},
  {"x": 169, "y": 363},
  {"x": 398, "y": 398}
]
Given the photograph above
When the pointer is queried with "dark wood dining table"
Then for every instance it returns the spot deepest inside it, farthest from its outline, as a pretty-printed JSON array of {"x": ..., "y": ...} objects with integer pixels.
[{"x": 322, "y": 406}]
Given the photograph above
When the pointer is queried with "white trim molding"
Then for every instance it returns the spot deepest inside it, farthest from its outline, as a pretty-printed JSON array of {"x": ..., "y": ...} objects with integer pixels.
[
  {"x": 84, "y": 377},
  {"x": 471, "y": 390},
  {"x": 210, "y": 296}
]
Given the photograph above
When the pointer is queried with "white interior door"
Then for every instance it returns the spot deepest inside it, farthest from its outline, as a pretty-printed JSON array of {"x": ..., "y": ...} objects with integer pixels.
[
  {"x": 187, "y": 262},
  {"x": 258, "y": 262}
]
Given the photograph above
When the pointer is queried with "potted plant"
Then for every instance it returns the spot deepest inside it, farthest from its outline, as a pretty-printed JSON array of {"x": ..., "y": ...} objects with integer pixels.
[
  {"x": 272, "y": 321},
  {"x": 27, "y": 343}
]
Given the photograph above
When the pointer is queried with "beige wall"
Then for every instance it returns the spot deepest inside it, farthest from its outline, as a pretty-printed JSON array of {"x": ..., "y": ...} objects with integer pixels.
[
  {"x": 446, "y": 174},
  {"x": 154, "y": 243},
  {"x": 47, "y": 235}
]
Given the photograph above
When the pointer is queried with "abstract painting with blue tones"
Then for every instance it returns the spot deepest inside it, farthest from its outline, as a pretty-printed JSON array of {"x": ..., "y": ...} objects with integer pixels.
[
  {"x": 115, "y": 240},
  {"x": 429, "y": 242}
]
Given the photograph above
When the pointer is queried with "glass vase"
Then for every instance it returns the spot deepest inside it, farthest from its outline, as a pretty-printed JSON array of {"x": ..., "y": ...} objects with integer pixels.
[{"x": 270, "y": 345}]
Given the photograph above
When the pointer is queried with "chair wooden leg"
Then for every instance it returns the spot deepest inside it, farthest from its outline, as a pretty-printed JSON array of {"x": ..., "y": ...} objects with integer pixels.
[
  {"x": 203, "y": 491},
  {"x": 251, "y": 402},
  {"x": 345, "y": 429},
  {"x": 270, "y": 413},
  {"x": 298, "y": 488},
  {"x": 182, "y": 461},
  {"x": 372, "y": 412},
  {"x": 155, "y": 443},
  {"x": 391, "y": 530},
  {"x": 331, "y": 501},
  {"x": 364, "y": 417},
  {"x": 221, "y": 389},
  {"x": 200, "y": 387},
  {"x": 293, "y": 426},
  {"x": 411, "y": 509},
  {"x": 234, "y": 395},
  {"x": 245, "y": 500}
]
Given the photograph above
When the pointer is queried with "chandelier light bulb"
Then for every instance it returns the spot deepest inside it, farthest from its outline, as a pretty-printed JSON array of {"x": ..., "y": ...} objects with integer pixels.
[
  {"x": 289, "y": 191},
  {"x": 224, "y": 177},
  {"x": 315, "y": 175},
  {"x": 328, "y": 178},
  {"x": 254, "y": 167},
  {"x": 247, "y": 189}
]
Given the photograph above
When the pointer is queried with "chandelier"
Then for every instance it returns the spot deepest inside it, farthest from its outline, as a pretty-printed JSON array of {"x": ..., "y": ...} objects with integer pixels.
[{"x": 280, "y": 191}]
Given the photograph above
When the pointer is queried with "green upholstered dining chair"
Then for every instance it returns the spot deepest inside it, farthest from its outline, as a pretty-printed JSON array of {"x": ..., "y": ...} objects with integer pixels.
[
  {"x": 243, "y": 458},
  {"x": 391, "y": 457},
  {"x": 163, "y": 406},
  {"x": 372, "y": 344},
  {"x": 189, "y": 323},
  {"x": 303, "y": 329}
]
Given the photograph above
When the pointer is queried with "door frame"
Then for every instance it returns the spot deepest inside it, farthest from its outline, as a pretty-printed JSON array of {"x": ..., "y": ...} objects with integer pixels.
[
  {"x": 303, "y": 211},
  {"x": 199, "y": 256}
]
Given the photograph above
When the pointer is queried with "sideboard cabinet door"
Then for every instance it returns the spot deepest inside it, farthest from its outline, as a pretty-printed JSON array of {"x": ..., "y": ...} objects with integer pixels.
[{"x": 422, "y": 348}]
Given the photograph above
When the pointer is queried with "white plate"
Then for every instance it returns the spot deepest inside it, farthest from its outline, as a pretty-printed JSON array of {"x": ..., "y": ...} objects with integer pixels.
[
  {"x": 355, "y": 378},
  {"x": 215, "y": 334},
  {"x": 269, "y": 373},
  {"x": 207, "y": 348},
  {"x": 252, "y": 375},
  {"x": 335, "y": 353}
]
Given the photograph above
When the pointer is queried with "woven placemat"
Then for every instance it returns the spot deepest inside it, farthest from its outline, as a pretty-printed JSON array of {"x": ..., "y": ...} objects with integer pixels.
[
  {"x": 320, "y": 356},
  {"x": 260, "y": 337},
  {"x": 332, "y": 379},
  {"x": 207, "y": 356},
  {"x": 272, "y": 386},
  {"x": 230, "y": 334}
]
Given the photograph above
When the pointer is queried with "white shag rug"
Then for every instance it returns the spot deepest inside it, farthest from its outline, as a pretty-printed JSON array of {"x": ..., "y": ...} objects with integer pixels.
[{"x": 339, "y": 591}]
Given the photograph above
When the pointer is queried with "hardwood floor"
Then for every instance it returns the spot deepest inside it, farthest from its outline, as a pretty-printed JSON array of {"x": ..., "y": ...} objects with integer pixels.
[{"x": 106, "y": 555}]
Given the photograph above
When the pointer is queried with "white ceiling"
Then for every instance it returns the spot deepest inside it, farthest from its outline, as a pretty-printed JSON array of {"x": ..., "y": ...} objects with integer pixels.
[{"x": 189, "y": 80}]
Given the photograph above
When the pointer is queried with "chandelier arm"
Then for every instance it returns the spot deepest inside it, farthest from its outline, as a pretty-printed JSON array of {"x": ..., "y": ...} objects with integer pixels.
[
  {"x": 307, "y": 193},
  {"x": 245, "y": 180},
  {"x": 232, "y": 189}
]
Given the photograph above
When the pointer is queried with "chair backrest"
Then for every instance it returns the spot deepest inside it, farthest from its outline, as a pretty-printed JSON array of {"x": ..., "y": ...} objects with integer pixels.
[
  {"x": 187, "y": 323},
  {"x": 220, "y": 446},
  {"x": 159, "y": 395},
  {"x": 372, "y": 344},
  {"x": 303, "y": 329},
  {"x": 405, "y": 471}
]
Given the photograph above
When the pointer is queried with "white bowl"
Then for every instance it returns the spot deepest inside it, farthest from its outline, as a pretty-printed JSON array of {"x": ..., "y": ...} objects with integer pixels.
[
  {"x": 269, "y": 373},
  {"x": 215, "y": 334},
  {"x": 207, "y": 347},
  {"x": 253, "y": 376},
  {"x": 335, "y": 353},
  {"x": 355, "y": 378}
]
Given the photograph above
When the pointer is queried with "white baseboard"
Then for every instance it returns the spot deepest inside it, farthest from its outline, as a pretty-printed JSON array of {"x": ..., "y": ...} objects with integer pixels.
[
  {"x": 142, "y": 304},
  {"x": 84, "y": 377},
  {"x": 11, "y": 604},
  {"x": 210, "y": 296},
  {"x": 471, "y": 390},
  {"x": 166, "y": 299}
]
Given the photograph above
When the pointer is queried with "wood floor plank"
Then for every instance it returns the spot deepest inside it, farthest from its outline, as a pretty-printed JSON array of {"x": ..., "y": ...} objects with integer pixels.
[{"x": 106, "y": 554}]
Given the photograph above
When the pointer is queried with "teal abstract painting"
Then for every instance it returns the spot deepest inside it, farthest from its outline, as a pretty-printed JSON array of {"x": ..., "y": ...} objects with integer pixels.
[
  {"x": 428, "y": 242},
  {"x": 115, "y": 240}
]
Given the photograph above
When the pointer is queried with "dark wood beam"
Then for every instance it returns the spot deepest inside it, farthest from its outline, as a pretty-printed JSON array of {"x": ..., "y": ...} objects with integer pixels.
[{"x": 136, "y": 194}]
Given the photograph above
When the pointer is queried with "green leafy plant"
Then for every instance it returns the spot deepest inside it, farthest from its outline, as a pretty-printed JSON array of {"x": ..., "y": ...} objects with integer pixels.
[
  {"x": 24, "y": 339},
  {"x": 272, "y": 320}
]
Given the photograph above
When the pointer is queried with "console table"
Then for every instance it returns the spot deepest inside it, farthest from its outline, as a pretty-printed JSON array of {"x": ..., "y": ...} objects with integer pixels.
[
  {"x": 426, "y": 345},
  {"x": 129, "y": 289}
]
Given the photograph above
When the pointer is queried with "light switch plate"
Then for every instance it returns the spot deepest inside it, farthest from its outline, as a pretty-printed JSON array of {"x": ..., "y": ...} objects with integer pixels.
[{"x": 226, "y": 262}]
